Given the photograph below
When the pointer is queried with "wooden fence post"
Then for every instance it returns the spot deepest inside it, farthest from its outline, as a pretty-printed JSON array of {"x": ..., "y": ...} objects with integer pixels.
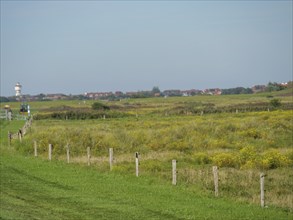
[
  {"x": 9, "y": 138},
  {"x": 67, "y": 153},
  {"x": 216, "y": 180},
  {"x": 24, "y": 129},
  {"x": 20, "y": 135},
  {"x": 35, "y": 149},
  {"x": 174, "y": 172},
  {"x": 50, "y": 151},
  {"x": 9, "y": 116},
  {"x": 262, "y": 190},
  {"x": 136, "y": 164},
  {"x": 111, "y": 158},
  {"x": 88, "y": 156}
]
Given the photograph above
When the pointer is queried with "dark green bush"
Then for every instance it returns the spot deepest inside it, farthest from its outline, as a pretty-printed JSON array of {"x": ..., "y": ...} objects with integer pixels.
[
  {"x": 275, "y": 103},
  {"x": 80, "y": 115},
  {"x": 100, "y": 106}
]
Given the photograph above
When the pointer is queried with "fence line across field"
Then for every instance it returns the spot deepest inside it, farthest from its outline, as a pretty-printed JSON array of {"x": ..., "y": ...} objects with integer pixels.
[
  {"x": 174, "y": 171},
  {"x": 21, "y": 132}
]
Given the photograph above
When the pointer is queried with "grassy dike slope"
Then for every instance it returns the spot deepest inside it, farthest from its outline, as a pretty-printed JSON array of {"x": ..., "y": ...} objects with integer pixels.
[{"x": 38, "y": 189}]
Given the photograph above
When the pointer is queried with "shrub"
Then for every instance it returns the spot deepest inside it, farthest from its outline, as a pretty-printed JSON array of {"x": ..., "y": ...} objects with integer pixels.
[
  {"x": 201, "y": 158},
  {"x": 219, "y": 143},
  {"x": 289, "y": 155},
  {"x": 252, "y": 133},
  {"x": 247, "y": 157},
  {"x": 225, "y": 160},
  {"x": 100, "y": 106},
  {"x": 275, "y": 103},
  {"x": 80, "y": 114},
  {"x": 274, "y": 159}
]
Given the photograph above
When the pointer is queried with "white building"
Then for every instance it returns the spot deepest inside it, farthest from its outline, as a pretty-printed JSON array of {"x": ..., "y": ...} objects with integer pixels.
[{"x": 18, "y": 89}]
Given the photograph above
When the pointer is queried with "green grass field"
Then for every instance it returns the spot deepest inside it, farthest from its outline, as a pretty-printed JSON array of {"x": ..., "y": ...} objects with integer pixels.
[
  {"x": 242, "y": 144},
  {"x": 36, "y": 189}
]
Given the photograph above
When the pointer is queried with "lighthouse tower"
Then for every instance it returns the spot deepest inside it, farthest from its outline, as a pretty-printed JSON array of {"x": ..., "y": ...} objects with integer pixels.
[{"x": 17, "y": 89}]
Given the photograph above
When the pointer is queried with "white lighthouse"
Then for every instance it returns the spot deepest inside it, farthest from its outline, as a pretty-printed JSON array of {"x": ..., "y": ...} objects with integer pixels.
[{"x": 17, "y": 89}]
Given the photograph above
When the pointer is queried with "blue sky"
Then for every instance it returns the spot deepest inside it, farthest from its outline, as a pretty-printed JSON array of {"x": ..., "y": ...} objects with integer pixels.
[{"x": 74, "y": 47}]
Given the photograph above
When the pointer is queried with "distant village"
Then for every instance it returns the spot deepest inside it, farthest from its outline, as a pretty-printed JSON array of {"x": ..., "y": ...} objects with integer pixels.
[{"x": 155, "y": 92}]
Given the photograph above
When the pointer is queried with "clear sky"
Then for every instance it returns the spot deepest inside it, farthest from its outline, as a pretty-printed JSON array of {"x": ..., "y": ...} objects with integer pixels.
[{"x": 74, "y": 47}]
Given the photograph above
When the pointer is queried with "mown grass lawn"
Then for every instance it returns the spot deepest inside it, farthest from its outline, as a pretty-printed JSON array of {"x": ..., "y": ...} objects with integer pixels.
[{"x": 33, "y": 188}]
